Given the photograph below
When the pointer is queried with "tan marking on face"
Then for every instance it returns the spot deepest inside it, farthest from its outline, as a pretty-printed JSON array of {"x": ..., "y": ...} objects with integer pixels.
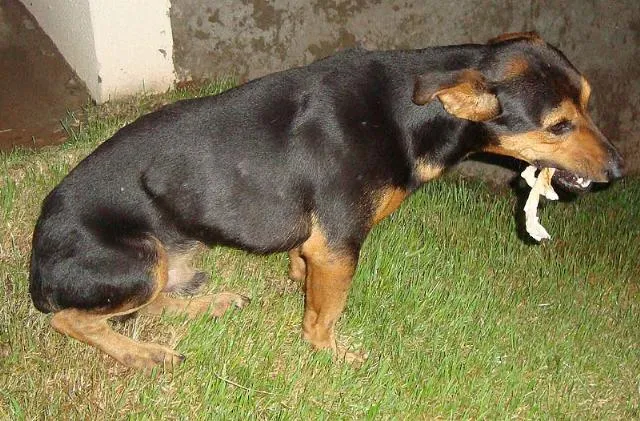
[
  {"x": 387, "y": 201},
  {"x": 515, "y": 67},
  {"x": 94, "y": 330},
  {"x": 585, "y": 93},
  {"x": 581, "y": 150},
  {"x": 565, "y": 111},
  {"x": 427, "y": 172}
]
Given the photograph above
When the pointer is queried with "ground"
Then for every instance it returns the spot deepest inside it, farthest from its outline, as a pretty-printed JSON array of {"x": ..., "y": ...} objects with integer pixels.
[{"x": 38, "y": 86}]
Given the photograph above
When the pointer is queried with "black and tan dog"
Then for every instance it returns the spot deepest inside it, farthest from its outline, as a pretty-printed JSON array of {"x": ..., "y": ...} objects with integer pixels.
[{"x": 305, "y": 161}]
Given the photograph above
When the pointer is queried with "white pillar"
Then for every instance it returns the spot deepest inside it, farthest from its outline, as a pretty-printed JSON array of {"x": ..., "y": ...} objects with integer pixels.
[{"x": 117, "y": 47}]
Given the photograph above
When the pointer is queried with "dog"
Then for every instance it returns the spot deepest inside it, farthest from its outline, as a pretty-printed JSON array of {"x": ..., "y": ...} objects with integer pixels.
[{"x": 305, "y": 161}]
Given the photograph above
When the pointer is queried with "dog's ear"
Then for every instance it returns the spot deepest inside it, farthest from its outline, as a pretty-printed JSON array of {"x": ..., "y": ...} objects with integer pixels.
[
  {"x": 464, "y": 94},
  {"x": 531, "y": 36}
]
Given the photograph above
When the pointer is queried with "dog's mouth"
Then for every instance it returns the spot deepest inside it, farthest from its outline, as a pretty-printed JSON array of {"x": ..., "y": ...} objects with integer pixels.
[
  {"x": 571, "y": 182},
  {"x": 566, "y": 180}
]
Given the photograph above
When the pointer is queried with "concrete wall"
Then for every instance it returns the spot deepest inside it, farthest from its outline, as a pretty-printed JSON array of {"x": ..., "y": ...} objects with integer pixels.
[
  {"x": 250, "y": 38},
  {"x": 68, "y": 24},
  {"x": 117, "y": 47}
]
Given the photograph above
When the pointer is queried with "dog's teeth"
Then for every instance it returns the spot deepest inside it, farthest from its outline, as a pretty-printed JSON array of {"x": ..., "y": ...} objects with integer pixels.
[
  {"x": 580, "y": 180},
  {"x": 585, "y": 183}
]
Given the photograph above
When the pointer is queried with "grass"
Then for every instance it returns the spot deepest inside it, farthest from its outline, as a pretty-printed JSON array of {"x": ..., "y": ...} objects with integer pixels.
[{"x": 460, "y": 317}]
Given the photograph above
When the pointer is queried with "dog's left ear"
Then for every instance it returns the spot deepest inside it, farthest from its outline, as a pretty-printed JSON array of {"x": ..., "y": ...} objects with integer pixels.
[{"x": 463, "y": 94}]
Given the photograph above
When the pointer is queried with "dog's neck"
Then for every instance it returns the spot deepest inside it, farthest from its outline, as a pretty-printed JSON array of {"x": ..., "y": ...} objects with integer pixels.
[{"x": 431, "y": 135}]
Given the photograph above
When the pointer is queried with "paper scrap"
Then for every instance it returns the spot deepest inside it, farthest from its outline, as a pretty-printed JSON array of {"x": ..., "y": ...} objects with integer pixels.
[{"x": 540, "y": 186}]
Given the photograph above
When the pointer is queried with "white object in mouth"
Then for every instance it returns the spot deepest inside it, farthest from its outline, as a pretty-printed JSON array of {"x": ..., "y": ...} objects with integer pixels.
[{"x": 540, "y": 186}]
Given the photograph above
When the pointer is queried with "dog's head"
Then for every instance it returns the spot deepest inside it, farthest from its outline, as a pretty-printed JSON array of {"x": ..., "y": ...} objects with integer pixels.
[{"x": 533, "y": 102}]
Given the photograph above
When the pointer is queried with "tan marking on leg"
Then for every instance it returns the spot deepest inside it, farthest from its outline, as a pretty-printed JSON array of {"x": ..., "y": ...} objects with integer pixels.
[
  {"x": 387, "y": 201},
  {"x": 329, "y": 274},
  {"x": 297, "y": 266},
  {"x": 161, "y": 269},
  {"x": 427, "y": 172},
  {"x": 94, "y": 330},
  {"x": 215, "y": 304},
  {"x": 91, "y": 327}
]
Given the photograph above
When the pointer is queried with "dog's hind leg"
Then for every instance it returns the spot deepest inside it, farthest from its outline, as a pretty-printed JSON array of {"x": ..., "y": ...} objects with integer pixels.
[
  {"x": 90, "y": 326},
  {"x": 215, "y": 304},
  {"x": 183, "y": 278},
  {"x": 94, "y": 330}
]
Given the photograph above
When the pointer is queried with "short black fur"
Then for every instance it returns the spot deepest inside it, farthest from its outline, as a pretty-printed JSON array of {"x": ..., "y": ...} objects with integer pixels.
[{"x": 257, "y": 166}]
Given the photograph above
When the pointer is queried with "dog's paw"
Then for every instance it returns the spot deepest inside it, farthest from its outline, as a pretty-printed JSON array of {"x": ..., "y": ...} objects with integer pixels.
[
  {"x": 149, "y": 356},
  {"x": 219, "y": 304}
]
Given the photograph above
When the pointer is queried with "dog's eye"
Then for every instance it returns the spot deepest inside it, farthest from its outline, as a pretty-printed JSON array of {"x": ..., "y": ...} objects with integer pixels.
[{"x": 561, "y": 128}]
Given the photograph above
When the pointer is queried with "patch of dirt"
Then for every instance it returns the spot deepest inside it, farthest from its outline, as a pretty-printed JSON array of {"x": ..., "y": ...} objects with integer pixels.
[{"x": 37, "y": 86}]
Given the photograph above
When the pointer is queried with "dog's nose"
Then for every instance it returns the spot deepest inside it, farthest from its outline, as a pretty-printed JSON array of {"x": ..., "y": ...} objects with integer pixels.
[{"x": 616, "y": 167}]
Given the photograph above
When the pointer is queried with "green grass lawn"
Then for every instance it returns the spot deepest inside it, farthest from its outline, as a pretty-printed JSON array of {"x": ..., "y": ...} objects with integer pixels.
[{"x": 460, "y": 317}]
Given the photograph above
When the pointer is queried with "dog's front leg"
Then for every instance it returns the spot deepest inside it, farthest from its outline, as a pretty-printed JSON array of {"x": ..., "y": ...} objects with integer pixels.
[{"x": 329, "y": 272}]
